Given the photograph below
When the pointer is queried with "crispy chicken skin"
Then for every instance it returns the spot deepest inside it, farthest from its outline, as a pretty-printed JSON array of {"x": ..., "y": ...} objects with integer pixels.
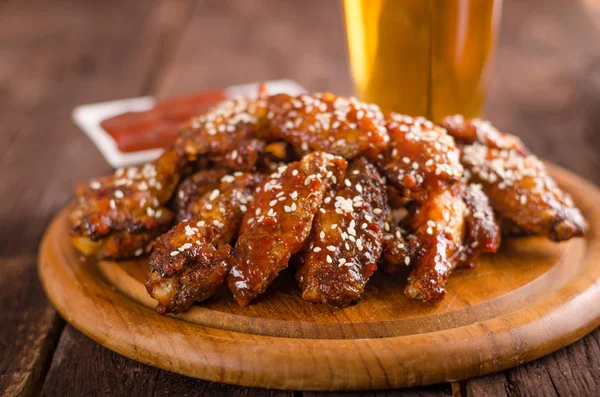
[
  {"x": 325, "y": 122},
  {"x": 520, "y": 190},
  {"x": 439, "y": 225},
  {"x": 226, "y": 135},
  {"x": 279, "y": 220},
  {"x": 191, "y": 261},
  {"x": 346, "y": 238},
  {"x": 420, "y": 158},
  {"x": 192, "y": 188},
  {"x": 119, "y": 216}
]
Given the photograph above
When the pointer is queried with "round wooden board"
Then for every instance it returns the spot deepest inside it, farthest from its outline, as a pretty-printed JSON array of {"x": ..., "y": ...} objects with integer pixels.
[{"x": 531, "y": 298}]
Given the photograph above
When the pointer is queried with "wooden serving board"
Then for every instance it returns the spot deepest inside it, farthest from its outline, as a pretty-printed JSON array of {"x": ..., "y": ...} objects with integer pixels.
[{"x": 531, "y": 298}]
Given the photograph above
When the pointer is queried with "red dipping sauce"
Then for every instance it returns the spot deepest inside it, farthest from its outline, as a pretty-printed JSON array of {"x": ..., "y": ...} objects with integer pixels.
[{"x": 158, "y": 127}]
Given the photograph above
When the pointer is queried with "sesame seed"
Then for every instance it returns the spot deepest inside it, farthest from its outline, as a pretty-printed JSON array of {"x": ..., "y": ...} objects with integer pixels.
[
  {"x": 322, "y": 235},
  {"x": 214, "y": 194},
  {"x": 330, "y": 248},
  {"x": 347, "y": 182},
  {"x": 407, "y": 261},
  {"x": 228, "y": 178},
  {"x": 329, "y": 260},
  {"x": 317, "y": 249},
  {"x": 377, "y": 211},
  {"x": 174, "y": 253},
  {"x": 112, "y": 204},
  {"x": 523, "y": 199},
  {"x": 95, "y": 185}
]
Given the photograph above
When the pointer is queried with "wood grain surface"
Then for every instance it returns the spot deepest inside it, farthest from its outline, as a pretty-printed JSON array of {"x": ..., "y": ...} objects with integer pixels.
[{"x": 55, "y": 55}]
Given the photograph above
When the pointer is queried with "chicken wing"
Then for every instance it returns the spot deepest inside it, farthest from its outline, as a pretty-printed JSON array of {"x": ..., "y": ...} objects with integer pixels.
[
  {"x": 521, "y": 191},
  {"x": 192, "y": 260},
  {"x": 326, "y": 122},
  {"x": 439, "y": 225},
  {"x": 279, "y": 220},
  {"x": 346, "y": 238},
  {"x": 421, "y": 157},
  {"x": 451, "y": 228},
  {"x": 226, "y": 135},
  {"x": 483, "y": 232},
  {"x": 119, "y": 216}
]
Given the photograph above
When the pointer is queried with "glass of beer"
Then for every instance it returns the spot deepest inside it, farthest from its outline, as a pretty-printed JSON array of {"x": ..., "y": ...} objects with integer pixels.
[{"x": 422, "y": 57}]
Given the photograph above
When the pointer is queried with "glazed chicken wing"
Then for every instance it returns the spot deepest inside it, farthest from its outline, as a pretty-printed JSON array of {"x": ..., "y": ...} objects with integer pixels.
[
  {"x": 451, "y": 228},
  {"x": 191, "y": 260},
  {"x": 326, "y": 122},
  {"x": 521, "y": 191},
  {"x": 525, "y": 197},
  {"x": 439, "y": 225},
  {"x": 346, "y": 238},
  {"x": 279, "y": 220},
  {"x": 483, "y": 232},
  {"x": 421, "y": 157},
  {"x": 226, "y": 135},
  {"x": 119, "y": 216}
]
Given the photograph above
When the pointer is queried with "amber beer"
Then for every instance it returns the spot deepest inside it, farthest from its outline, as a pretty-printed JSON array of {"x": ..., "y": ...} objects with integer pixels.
[{"x": 422, "y": 57}]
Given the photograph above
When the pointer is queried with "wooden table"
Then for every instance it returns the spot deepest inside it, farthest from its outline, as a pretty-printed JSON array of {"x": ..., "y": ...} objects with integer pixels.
[{"x": 55, "y": 55}]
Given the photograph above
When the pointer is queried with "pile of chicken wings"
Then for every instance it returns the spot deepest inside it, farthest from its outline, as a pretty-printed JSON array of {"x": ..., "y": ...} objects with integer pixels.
[{"x": 329, "y": 185}]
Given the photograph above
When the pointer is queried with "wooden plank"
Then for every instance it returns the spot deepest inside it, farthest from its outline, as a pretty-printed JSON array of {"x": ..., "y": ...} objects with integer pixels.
[
  {"x": 57, "y": 55},
  {"x": 443, "y": 390},
  {"x": 96, "y": 370}
]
